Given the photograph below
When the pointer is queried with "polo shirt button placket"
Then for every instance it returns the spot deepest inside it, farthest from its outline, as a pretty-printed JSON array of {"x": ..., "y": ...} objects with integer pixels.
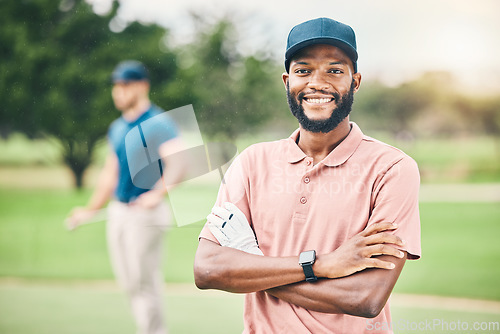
[{"x": 306, "y": 179}]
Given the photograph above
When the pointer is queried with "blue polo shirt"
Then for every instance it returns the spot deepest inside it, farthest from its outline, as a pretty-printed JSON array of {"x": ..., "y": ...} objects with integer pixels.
[{"x": 136, "y": 145}]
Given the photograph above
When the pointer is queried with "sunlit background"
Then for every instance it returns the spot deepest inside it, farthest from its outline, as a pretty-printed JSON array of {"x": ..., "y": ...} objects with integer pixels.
[
  {"x": 397, "y": 40},
  {"x": 431, "y": 86}
]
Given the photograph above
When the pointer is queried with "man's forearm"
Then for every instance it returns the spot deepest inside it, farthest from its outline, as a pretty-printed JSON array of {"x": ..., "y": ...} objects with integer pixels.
[
  {"x": 103, "y": 192},
  {"x": 224, "y": 268},
  {"x": 362, "y": 294},
  {"x": 228, "y": 269},
  {"x": 176, "y": 165},
  {"x": 106, "y": 183},
  {"x": 101, "y": 195}
]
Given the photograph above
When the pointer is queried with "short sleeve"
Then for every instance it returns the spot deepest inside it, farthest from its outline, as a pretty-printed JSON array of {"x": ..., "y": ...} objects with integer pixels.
[
  {"x": 233, "y": 188},
  {"x": 158, "y": 129},
  {"x": 395, "y": 199}
]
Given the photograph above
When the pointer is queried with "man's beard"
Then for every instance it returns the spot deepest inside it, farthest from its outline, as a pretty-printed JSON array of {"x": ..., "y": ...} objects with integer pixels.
[{"x": 343, "y": 109}]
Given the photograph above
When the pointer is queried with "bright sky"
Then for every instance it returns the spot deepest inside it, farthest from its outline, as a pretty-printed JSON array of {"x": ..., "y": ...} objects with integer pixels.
[{"x": 397, "y": 39}]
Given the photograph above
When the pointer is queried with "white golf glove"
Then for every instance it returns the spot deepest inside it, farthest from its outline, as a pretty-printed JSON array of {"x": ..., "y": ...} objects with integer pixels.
[{"x": 231, "y": 228}]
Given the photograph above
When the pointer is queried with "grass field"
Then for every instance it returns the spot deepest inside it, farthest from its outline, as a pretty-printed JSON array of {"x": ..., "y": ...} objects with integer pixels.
[
  {"x": 35, "y": 244},
  {"x": 459, "y": 241},
  {"x": 100, "y": 308},
  {"x": 441, "y": 160},
  {"x": 49, "y": 308}
]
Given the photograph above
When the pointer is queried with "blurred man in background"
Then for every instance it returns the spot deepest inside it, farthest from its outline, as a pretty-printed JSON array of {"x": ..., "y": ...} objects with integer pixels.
[{"x": 137, "y": 217}]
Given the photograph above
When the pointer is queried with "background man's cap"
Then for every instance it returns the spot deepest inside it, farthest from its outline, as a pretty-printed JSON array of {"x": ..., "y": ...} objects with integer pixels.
[
  {"x": 129, "y": 70},
  {"x": 321, "y": 31}
]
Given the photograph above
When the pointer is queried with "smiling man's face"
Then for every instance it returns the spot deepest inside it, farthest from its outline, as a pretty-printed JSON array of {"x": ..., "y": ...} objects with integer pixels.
[{"x": 320, "y": 87}]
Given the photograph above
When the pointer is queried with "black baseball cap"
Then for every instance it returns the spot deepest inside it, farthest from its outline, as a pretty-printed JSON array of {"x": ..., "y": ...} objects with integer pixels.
[
  {"x": 321, "y": 31},
  {"x": 129, "y": 70}
]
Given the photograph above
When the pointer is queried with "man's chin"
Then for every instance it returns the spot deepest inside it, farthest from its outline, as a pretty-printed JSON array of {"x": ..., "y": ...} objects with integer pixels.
[
  {"x": 315, "y": 117},
  {"x": 318, "y": 112}
]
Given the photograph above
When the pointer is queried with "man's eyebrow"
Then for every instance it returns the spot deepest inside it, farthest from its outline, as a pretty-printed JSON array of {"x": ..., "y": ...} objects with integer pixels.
[{"x": 340, "y": 62}]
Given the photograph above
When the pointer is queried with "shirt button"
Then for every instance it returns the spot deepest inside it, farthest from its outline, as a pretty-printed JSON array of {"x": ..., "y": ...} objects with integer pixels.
[
  {"x": 303, "y": 200},
  {"x": 308, "y": 162},
  {"x": 306, "y": 180}
]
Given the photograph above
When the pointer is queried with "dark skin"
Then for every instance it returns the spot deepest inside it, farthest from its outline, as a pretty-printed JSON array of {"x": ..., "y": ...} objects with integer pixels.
[
  {"x": 358, "y": 277},
  {"x": 346, "y": 285}
]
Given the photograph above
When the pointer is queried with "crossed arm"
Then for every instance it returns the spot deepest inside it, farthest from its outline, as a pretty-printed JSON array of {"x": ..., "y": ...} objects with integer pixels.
[
  {"x": 362, "y": 294},
  {"x": 356, "y": 279}
]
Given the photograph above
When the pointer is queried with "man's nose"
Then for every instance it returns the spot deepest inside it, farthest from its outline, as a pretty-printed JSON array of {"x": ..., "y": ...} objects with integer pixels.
[{"x": 318, "y": 81}]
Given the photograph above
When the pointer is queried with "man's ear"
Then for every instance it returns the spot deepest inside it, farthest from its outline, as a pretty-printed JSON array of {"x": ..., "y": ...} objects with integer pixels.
[
  {"x": 285, "y": 77},
  {"x": 357, "y": 81},
  {"x": 144, "y": 86}
]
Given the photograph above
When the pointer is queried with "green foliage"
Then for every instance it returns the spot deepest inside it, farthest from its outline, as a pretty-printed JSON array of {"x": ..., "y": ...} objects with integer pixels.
[
  {"x": 391, "y": 109},
  {"x": 56, "y": 59},
  {"x": 483, "y": 113},
  {"x": 232, "y": 94},
  {"x": 429, "y": 106},
  {"x": 56, "y": 64}
]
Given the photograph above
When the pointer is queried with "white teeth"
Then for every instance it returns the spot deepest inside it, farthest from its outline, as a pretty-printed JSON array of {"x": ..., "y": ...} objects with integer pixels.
[{"x": 318, "y": 100}]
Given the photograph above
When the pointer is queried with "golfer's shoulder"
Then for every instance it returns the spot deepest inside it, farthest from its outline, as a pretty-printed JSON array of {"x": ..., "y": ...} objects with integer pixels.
[
  {"x": 265, "y": 151},
  {"x": 384, "y": 155},
  {"x": 117, "y": 126}
]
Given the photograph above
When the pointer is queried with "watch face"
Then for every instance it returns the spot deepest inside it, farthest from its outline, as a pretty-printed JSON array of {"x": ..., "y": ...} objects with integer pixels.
[{"x": 307, "y": 257}]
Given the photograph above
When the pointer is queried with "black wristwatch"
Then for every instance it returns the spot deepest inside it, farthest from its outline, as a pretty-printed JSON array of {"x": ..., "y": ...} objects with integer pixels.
[{"x": 306, "y": 260}]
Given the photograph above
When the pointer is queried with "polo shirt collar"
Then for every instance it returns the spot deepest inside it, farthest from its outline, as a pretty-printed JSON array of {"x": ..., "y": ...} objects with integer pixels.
[
  {"x": 336, "y": 157},
  {"x": 294, "y": 153}
]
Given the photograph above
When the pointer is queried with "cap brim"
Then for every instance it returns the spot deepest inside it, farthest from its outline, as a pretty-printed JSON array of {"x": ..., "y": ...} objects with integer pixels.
[{"x": 348, "y": 49}]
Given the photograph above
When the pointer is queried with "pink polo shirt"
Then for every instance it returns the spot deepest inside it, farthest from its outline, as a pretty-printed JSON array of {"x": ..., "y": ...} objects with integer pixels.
[{"x": 295, "y": 206}]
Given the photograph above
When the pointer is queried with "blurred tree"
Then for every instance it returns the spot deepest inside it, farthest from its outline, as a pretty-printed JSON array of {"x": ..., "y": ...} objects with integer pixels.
[
  {"x": 55, "y": 64},
  {"x": 393, "y": 109},
  {"x": 482, "y": 114},
  {"x": 231, "y": 93}
]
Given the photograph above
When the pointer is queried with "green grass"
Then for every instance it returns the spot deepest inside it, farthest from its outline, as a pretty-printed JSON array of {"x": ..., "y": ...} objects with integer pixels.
[
  {"x": 34, "y": 243},
  {"x": 441, "y": 160},
  {"x": 460, "y": 252},
  {"x": 452, "y": 160},
  {"x": 459, "y": 241},
  {"x": 48, "y": 308},
  {"x": 457, "y": 160},
  {"x": 460, "y": 258},
  {"x": 76, "y": 308}
]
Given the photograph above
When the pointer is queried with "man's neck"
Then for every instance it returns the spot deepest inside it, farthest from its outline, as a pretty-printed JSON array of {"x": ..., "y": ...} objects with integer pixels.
[
  {"x": 134, "y": 112},
  {"x": 318, "y": 144}
]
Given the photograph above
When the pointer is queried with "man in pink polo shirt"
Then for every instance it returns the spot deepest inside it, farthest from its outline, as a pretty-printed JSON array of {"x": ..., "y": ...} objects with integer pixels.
[{"x": 334, "y": 212}]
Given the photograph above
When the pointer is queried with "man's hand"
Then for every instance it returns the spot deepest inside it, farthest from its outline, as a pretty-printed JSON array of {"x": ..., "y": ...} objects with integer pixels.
[
  {"x": 359, "y": 252},
  {"x": 231, "y": 228},
  {"x": 79, "y": 216}
]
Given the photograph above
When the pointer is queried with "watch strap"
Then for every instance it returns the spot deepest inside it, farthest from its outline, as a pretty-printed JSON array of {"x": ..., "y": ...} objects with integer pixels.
[{"x": 309, "y": 273}]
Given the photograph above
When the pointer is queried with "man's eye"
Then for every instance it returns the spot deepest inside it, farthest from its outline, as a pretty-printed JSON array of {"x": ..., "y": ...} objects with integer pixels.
[
  {"x": 335, "y": 71},
  {"x": 301, "y": 71}
]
